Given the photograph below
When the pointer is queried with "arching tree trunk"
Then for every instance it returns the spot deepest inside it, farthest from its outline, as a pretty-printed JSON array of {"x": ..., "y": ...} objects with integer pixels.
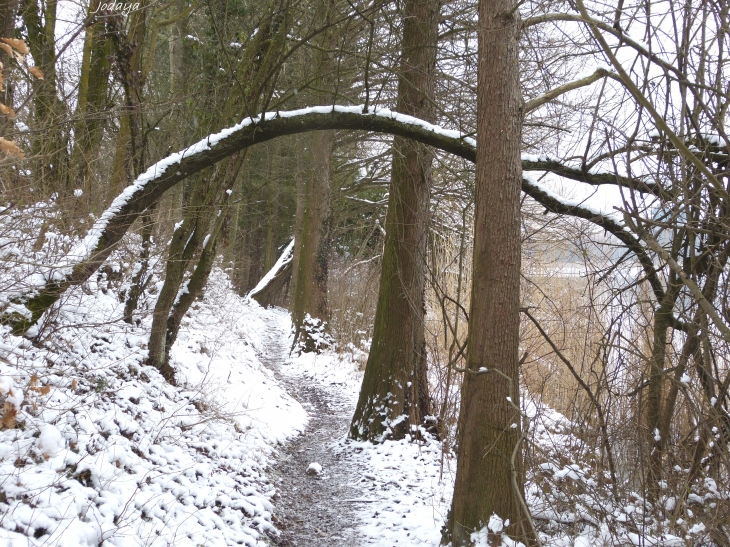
[
  {"x": 26, "y": 307},
  {"x": 489, "y": 476},
  {"x": 394, "y": 396}
]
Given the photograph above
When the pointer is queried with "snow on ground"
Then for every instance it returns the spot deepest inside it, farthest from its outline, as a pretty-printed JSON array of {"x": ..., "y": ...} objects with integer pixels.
[
  {"x": 410, "y": 495},
  {"x": 405, "y": 492},
  {"x": 97, "y": 449},
  {"x": 329, "y": 370},
  {"x": 222, "y": 332},
  {"x": 403, "y": 496},
  {"x": 104, "y": 452}
]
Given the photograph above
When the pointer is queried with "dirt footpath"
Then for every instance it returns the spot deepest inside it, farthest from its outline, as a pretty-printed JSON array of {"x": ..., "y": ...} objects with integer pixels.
[{"x": 314, "y": 509}]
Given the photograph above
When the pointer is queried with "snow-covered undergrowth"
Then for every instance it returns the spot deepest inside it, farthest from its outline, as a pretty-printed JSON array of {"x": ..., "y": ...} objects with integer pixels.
[
  {"x": 98, "y": 449},
  {"x": 574, "y": 501},
  {"x": 30, "y": 247}
]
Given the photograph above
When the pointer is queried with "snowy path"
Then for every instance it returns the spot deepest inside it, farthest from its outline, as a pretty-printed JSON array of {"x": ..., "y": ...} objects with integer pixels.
[{"x": 313, "y": 510}]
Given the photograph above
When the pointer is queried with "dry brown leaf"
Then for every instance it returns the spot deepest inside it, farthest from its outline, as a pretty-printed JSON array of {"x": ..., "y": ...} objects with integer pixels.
[
  {"x": 33, "y": 384},
  {"x": 7, "y": 49},
  {"x": 45, "y": 390},
  {"x": 17, "y": 44},
  {"x": 20, "y": 57},
  {"x": 10, "y": 415},
  {"x": 7, "y": 110},
  {"x": 10, "y": 148},
  {"x": 74, "y": 384},
  {"x": 35, "y": 71},
  {"x": 2, "y": 81}
]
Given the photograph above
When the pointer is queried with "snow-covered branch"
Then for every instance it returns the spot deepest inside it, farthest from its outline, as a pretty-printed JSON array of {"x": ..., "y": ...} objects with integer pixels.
[
  {"x": 149, "y": 187},
  {"x": 559, "y": 205}
]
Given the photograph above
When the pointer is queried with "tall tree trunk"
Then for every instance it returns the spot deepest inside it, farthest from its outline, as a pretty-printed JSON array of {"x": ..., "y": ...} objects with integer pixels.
[
  {"x": 312, "y": 242},
  {"x": 241, "y": 257},
  {"x": 174, "y": 300},
  {"x": 178, "y": 87},
  {"x": 50, "y": 138},
  {"x": 92, "y": 101},
  {"x": 8, "y": 12},
  {"x": 185, "y": 241},
  {"x": 198, "y": 279},
  {"x": 298, "y": 216},
  {"x": 140, "y": 278},
  {"x": 312, "y": 260},
  {"x": 490, "y": 421},
  {"x": 128, "y": 50},
  {"x": 394, "y": 395},
  {"x": 655, "y": 390},
  {"x": 274, "y": 173},
  {"x": 255, "y": 253}
]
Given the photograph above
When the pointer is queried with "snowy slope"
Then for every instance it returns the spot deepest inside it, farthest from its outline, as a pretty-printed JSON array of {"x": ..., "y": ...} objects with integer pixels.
[
  {"x": 97, "y": 449},
  {"x": 104, "y": 452}
]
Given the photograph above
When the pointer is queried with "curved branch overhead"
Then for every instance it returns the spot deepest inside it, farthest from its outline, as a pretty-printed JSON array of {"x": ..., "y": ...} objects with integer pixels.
[{"x": 149, "y": 187}]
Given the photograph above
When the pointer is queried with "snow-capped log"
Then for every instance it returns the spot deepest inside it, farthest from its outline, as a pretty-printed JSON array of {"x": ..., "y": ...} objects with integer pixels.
[
  {"x": 148, "y": 188},
  {"x": 271, "y": 284}
]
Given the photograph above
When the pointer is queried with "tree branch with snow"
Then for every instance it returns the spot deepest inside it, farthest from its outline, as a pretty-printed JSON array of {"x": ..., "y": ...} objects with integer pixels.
[{"x": 26, "y": 309}]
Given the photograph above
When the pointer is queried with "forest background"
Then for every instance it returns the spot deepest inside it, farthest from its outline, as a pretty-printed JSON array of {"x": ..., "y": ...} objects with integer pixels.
[{"x": 545, "y": 217}]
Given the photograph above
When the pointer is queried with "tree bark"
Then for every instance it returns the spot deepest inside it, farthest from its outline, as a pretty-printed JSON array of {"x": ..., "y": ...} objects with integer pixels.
[
  {"x": 92, "y": 102},
  {"x": 311, "y": 262},
  {"x": 394, "y": 397},
  {"x": 8, "y": 12},
  {"x": 490, "y": 420}
]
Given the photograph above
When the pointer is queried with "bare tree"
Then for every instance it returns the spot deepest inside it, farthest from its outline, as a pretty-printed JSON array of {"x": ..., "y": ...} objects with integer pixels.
[{"x": 394, "y": 398}]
